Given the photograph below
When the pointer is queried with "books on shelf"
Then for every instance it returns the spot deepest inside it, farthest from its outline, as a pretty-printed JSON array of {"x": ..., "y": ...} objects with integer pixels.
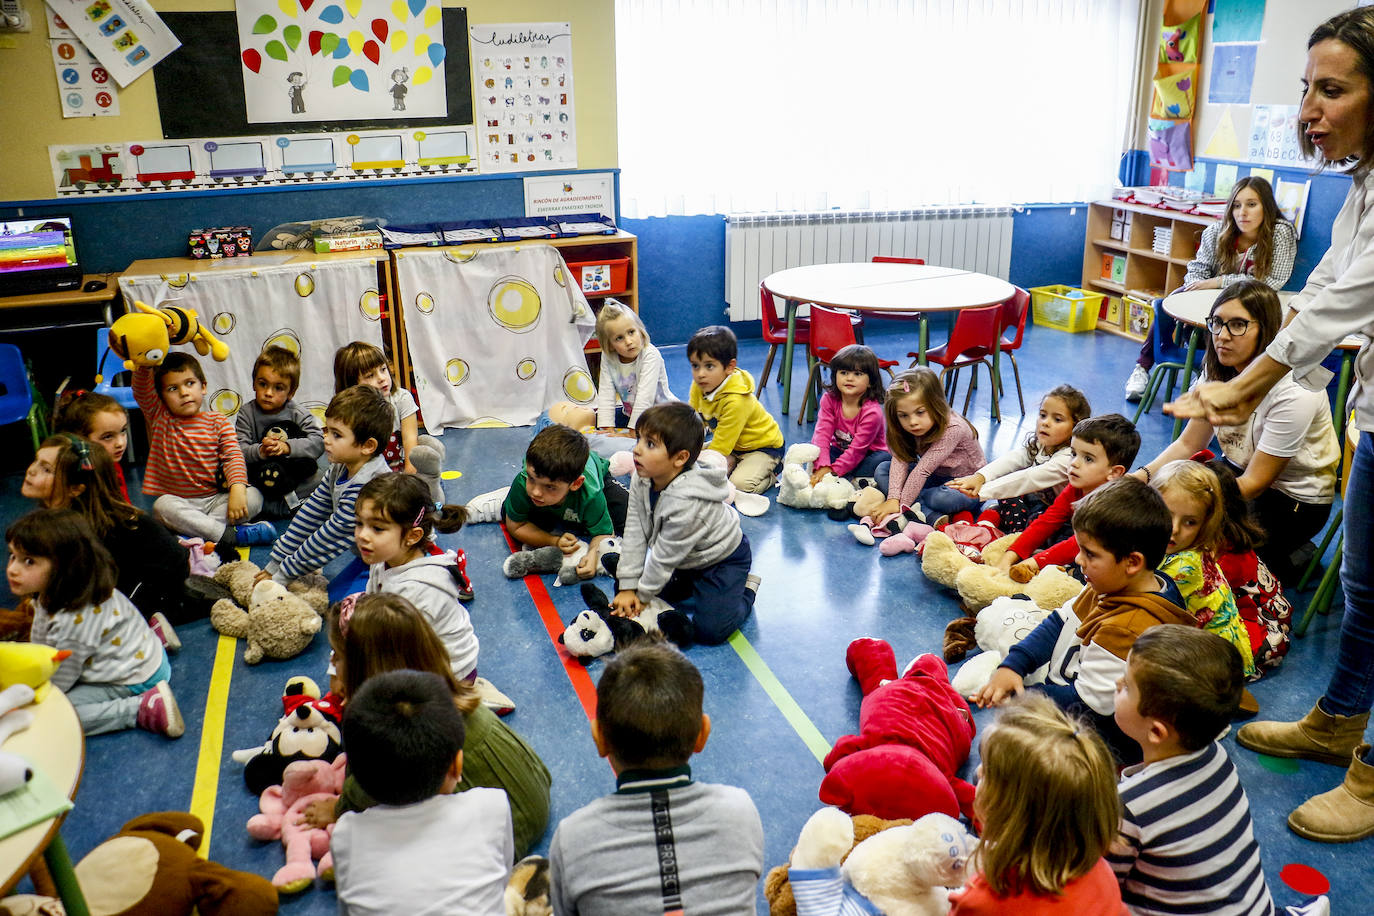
[{"x": 1167, "y": 197}]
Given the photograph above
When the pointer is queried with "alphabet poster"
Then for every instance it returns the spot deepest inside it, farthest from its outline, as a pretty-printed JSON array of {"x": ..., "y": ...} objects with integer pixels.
[
  {"x": 522, "y": 77},
  {"x": 313, "y": 60}
]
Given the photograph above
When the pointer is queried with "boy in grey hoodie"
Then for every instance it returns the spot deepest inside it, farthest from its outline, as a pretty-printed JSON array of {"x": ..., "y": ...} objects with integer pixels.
[{"x": 682, "y": 542}]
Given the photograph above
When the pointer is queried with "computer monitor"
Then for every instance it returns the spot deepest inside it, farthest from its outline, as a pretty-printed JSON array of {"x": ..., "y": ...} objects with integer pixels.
[{"x": 38, "y": 255}]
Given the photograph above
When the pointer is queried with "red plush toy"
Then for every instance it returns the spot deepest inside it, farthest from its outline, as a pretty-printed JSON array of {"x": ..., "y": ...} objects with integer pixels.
[{"x": 914, "y": 733}]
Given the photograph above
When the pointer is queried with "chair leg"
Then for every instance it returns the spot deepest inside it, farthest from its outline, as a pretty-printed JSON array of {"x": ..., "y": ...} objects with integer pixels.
[
  {"x": 1148, "y": 398},
  {"x": 1172, "y": 383},
  {"x": 767, "y": 367},
  {"x": 1016, "y": 372},
  {"x": 972, "y": 386},
  {"x": 1320, "y": 602},
  {"x": 806, "y": 398},
  {"x": 1332, "y": 528}
]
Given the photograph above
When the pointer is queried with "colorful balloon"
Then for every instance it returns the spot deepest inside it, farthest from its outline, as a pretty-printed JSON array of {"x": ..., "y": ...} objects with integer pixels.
[
  {"x": 312, "y": 41},
  {"x": 416, "y": 6},
  {"x": 276, "y": 50},
  {"x": 398, "y": 40},
  {"x": 399, "y": 11},
  {"x": 353, "y": 6},
  {"x": 431, "y": 15},
  {"x": 341, "y": 51},
  {"x": 265, "y": 25},
  {"x": 329, "y": 43},
  {"x": 332, "y": 15},
  {"x": 252, "y": 59},
  {"x": 380, "y": 29},
  {"x": 288, "y": 7},
  {"x": 292, "y": 34},
  {"x": 358, "y": 80},
  {"x": 306, "y": 4},
  {"x": 421, "y": 42},
  {"x": 341, "y": 75},
  {"x": 422, "y": 76},
  {"x": 372, "y": 52},
  {"x": 355, "y": 40},
  {"x": 436, "y": 54}
]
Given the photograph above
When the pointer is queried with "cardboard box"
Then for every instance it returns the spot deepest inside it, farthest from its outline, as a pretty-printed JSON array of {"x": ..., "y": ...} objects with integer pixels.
[
  {"x": 361, "y": 240},
  {"x": 221, "y": 242},
  {"x": 1118, "y": 229}
]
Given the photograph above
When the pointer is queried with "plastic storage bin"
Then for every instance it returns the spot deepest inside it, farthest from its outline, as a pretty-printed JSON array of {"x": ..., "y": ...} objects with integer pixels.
[
  {"x": 1065, "y": 307},
  {"x": 605, "y": 277}
]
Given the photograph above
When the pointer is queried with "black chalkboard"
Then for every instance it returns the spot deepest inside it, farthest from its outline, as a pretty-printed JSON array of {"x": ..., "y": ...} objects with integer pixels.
[{"x": 200, "y": 85}]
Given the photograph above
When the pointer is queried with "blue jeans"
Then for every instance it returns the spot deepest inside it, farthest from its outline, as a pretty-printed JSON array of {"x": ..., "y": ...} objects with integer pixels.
[
  {"x": 714, "y": 596},
  {"x": 869, "y": 466},
  {"x": 103, "y": 708},
  {"x": 938, "y": 499},
  {"x": 1351, "y": 690}
]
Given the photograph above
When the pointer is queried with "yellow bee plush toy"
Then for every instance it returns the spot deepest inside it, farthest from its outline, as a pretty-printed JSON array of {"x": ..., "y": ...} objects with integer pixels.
[{"x": 142, "y": 338}]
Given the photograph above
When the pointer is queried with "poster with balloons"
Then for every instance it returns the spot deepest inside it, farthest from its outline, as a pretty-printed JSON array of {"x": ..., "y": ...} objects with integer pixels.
[{"x": 313, "y": 60}]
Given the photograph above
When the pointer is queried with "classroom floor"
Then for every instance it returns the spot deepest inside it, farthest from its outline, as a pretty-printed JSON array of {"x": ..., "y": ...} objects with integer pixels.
[{"x": 777, "y": 697}]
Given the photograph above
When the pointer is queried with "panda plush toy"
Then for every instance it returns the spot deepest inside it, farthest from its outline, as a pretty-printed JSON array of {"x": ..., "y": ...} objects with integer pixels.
[{"x": 596, "y": 631}]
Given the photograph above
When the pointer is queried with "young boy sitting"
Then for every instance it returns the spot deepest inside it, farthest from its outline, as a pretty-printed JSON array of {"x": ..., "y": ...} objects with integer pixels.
[
  {"x": 279, "y": 465},
  {"x": 190, "y": 451},
  {"x": 682, "y": 542},
  {"x": 1122, "y": 531},
  {"x": 1103, "y": 448},
  {"x": 357, "y": 420},
  {"x": 565, "y": 490},
  {"x": 1186, "y": 841},
  {"x": 421, "y": 848},
  {"x": 742, "y": 430},
  {"x": 607, "y": 858}
]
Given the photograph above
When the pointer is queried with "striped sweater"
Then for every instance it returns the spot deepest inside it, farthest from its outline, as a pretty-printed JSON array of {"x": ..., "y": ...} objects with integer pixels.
[
  {"x": 1187, "y": 844},
  {"x": 322, "y": 528},
  {"x": 185, "y": 453}
]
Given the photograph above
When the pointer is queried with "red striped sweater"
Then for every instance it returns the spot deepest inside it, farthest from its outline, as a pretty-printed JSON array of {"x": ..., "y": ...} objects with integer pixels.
[{"x": 185, "y": 452}]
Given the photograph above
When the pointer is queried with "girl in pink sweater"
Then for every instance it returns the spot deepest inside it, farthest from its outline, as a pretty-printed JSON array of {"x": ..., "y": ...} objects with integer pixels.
[{"x": 850, "y": 429}]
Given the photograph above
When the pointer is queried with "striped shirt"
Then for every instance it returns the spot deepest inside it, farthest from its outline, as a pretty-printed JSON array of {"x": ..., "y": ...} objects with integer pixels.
[
  {"x": 1187, "y": 844},
  {"x": 185, "y": 453},
  {"x": 824, "y": 892},
  {"x": 322, "y": 528}
]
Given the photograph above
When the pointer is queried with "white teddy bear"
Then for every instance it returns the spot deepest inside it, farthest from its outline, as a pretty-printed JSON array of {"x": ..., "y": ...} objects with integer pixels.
[
  {"x": 795, "y": 487},
  {"x": 1000, "y": 626}
]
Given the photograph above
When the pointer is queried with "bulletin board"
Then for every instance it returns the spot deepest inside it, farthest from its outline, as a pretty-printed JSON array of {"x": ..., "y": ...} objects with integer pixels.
[{"x": 209, "y": 60}]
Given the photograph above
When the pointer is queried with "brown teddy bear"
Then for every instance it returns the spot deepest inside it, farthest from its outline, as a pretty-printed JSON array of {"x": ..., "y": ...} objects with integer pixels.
[
  {"x": 777, "y": 889},
  {"x": 277, "y": 622}
]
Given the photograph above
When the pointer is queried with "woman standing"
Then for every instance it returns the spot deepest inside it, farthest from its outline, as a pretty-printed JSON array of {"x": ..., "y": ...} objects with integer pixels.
[
  {"x": 1253, "y": 240},
  {"x": 1337, "y": 118},
  {"x": 1285, "y": 454}
]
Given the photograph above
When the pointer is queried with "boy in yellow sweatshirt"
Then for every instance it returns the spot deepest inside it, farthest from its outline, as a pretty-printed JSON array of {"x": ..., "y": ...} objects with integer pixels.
[{"x": 741, "y": 429}]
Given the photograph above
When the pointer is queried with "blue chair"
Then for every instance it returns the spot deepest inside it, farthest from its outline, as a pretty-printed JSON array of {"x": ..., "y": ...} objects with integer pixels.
[
  {"x": 108, "y": 365},
  {"x": 1169, "y": 357},
  {"x": 17, "y": 401}
]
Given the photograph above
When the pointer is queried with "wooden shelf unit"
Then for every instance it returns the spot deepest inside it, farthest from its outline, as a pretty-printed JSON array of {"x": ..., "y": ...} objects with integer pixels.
[{"x": 1149, "y": 275}]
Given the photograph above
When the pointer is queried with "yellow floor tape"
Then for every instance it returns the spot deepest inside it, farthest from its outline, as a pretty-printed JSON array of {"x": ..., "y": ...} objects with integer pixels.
[{"x": 206, "y": 787}]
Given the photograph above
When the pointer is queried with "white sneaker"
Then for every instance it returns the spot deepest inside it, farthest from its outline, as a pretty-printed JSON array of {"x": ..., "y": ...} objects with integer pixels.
[
  {"x": 751, "y": 504},
  {"x": 492, "y": 698},
  {"x": 1137, "y": 383},
  {"x": 487, "y": 507}
]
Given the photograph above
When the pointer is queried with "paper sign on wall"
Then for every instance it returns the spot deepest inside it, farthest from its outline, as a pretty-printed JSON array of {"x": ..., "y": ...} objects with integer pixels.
[
  {"x": 523, "y": 79},
  {"x": 1233, "y": 72},
  {"x": 556, "y": 195},
  {"x": 1274, "y": 136},
  {"x": 126, "y": 36},
  {"x": 1291, "y": 197},
  {"x": 83, "y": 84},
  {"x": 1224, "y": 179},
  {"x": 310, "y": 60}
]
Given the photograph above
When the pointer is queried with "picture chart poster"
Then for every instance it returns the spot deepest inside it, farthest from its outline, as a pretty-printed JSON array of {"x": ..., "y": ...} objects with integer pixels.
[
  {"x": 523, "y": 81},
  {"x": 1274, "y": 136},
  {"x": 126, "y": 36},
  {"x": 349, "y": 60}
]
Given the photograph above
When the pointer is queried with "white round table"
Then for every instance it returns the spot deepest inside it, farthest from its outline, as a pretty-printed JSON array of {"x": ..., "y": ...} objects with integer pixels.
[{"x": 895, "y": 289}]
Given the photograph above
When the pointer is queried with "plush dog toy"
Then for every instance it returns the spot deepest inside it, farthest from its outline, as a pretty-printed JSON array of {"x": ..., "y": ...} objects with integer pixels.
[
  {"x": 901, "y": 869},
  {"x": 1000, "y": 626},
  {"x": 307, "y": 730},
  {"x": 277, "y": 623},
  {"x": 596, "y": 631},
  {"x": 978, "y": 584},
  {"x": 281, "y": 807},
  {"x": 914, "y": 733},
  {"x": 794, "y": 484},
  {"x": 143, "y": 337}
]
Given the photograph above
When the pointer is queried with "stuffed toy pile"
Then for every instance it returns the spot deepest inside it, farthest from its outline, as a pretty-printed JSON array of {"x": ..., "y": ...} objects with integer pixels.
[
  {"x": 794, "y": 483},
  {"x": 895, "y": 868},
  {"x": 999, "y": 626},
  {"x": 979, "y": 583},
  {"x": 277, "y": 622},
  {"x": 281, "y": 807},
  {"x": 915, "y": 732}
]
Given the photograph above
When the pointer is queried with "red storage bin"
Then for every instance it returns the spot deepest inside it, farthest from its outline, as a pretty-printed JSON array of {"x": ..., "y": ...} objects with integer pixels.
[{"x": 604, "y": 277}]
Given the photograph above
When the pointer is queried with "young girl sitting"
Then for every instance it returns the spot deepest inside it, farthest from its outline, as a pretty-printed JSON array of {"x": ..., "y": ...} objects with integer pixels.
[
  {"x": 1266, "y": 613},
  {"x": 850, "y": 428},
  {"x": 930, "y": 445},
  {"x": 116, "y": 675},
  {"x": 1193, "y": 495},
  {"x": 1048, "y": 809},
  {"x": 633, "y": 377},
  {"x": 1026, "y": 480},
  {"x": 386, "y": 632},
  {"x": 360, "y": 363},
  {"x": 102, "y": 420},
  {"x": 151, "y": 565}
]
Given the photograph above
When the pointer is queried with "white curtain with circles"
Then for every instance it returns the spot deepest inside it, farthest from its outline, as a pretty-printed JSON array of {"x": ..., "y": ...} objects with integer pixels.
[
  {"x": 495, "y": 334},
  {"x": 737, "y": 106}
]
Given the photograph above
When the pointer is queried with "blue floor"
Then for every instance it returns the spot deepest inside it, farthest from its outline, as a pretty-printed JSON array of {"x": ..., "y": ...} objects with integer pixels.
[{"x": 820, "y": 590}]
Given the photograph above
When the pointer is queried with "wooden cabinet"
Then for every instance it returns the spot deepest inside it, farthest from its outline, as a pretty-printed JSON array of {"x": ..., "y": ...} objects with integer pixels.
[{"x": 1147, "y": 274}]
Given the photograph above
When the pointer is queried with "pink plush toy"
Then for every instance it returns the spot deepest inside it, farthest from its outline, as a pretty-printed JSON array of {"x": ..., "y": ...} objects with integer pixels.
[
  {"x": 912, "y": 536},
  {"x": 303, "y": 782},
  {"x": 914, "y": 733}
]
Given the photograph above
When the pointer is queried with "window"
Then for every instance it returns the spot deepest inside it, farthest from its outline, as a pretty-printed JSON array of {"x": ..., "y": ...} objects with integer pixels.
[{"x": 730, "y": 106}]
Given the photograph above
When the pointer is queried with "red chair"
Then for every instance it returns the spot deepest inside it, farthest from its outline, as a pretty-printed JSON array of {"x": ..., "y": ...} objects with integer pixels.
[
  {"x": 831, "y": 332},
  {"x": 1014, "y": 313},
  {"x": 970, "y": 343},
  {"x": 775, "y": 334},
  {"x": 882, "y": 259}
]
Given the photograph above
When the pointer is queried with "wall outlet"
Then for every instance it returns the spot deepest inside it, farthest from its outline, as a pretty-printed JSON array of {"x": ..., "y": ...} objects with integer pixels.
[{"x": 13, "y": 16}]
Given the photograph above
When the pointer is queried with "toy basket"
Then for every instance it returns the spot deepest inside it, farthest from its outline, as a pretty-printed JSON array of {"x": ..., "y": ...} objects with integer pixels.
[{"x": 1066, "y": 308}]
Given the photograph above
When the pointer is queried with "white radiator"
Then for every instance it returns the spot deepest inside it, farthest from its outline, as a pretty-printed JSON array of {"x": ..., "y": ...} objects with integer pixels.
[{"x": 971, "y": 238}]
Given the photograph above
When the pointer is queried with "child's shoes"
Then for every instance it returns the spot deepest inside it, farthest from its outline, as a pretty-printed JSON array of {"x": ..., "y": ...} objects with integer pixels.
[
  {"x": 492, "y": 698},
  {"x": 487, "y": 507},
  {"x": 465, "y": 592},
  {"x": 254, "y": 534},
  {"x": 158, "y": 712},
  {"x": 162, "y": 628}
]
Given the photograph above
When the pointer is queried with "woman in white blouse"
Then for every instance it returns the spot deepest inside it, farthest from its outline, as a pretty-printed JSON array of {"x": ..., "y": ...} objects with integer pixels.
[
  {"x": 1285, "y": 454},
  {"x": 1337, "y": 118}
]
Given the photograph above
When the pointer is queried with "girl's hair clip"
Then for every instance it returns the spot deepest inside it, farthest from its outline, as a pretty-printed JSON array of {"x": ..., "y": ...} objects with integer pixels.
[
  {"x": 346, "y": 607},
  {"x": 82, "y": 449},
  {"x": 906, "y": 387},
  {"x": 421, "y": 517}
]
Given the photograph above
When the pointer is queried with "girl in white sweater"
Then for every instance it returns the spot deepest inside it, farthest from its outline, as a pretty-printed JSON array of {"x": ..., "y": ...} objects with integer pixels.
[{"x": 633, "y": 377}]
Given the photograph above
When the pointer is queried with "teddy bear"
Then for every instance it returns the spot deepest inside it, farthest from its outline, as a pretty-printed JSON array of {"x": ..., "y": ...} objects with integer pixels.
[
  {"x": 307, "y": 730},
  {"x": 750, "y": 504},
  {"x": 596, "y": 631},
  {"x": 794, "y": 483},
  {"x": 280, "y": 808},
  {"x": 278, "y": 623},
  {"x": 903, "y": 868},
  {"x": 915, "y": 731},
  {"x": 238, "y": 577},
  {"x": 1000, "y": 625},
  {"x": 150, "y": 868},
  {"x": 552, "y": 559},
  {"x": 978, "y": 584}
]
